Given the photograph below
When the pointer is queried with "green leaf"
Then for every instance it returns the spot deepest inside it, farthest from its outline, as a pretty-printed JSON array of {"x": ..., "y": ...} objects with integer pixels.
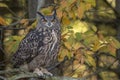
[
  {"x": 78, "y": 36},
  {"x": 3, "y": 5},
  {"x": 69, "y": 27},
  {"x": 94, "y": 28}
]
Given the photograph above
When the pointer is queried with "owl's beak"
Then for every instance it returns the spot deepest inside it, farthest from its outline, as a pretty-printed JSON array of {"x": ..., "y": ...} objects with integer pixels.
[{"x": 49, "y": 24}]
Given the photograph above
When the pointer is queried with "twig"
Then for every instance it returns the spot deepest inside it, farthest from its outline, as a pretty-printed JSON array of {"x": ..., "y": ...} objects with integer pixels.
[
  {"x": 12, "y": 12},
  {"x": 11, "y": 70},
  {"x": 33, "y": 75},
  {"x": 19, "y": 76},
  {"x": 115, "y": 11},
  {"x": 57, "y": 64},
  {"x": 9, "y": 27},
  {"x": 2, "y": 78}
]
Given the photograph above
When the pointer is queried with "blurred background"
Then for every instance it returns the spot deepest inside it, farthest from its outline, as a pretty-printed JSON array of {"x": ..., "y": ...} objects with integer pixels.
[{"x": 90, "y": 34}]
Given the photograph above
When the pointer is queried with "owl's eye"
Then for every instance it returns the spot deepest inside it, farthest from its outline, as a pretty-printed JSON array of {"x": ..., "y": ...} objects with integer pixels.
[
  {"x": 44, "y": 20},
  {"x": 53, "y": 20}
]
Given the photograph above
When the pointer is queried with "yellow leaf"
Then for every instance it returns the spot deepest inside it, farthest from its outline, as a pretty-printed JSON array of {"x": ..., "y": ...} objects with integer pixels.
[
  {"x": 80, "y": 27},
  {"x": 89, "y": 52},
  {"x": 98, "y": 44},
  {"x": 2, "y": 21},
  {"x": 18, "y": 38},
  {"x": 72, "y": 14},
  {"x": 88, "y": 6},
  {"x": 71, "y": 1},
  {"x": 76, "y": 62},
  {"x": 95, "y": 46},
  {"x": 65, "y": 20},
  {"x": 3, "y": 5},
  {"x": 80, "y": 11},
  {"x": 33, "y": 25},
  {"x": 79, "y": 67},
  {"x": 115, "y": 43},
  {"x": 94, "y": 28},
  {"x": 67, "y": 45},
  {"x": 63, "y": 3},
  {"x": 47, "y": 11},
  {"x": 23, "y": 21},
  {"x": 90, "y": 60},
  {"x": 59, "y": 14},
  {"x": 76, "y": 46},
  {"x": 112, "y": 50},
  {"x": 109, "y": 75},
  {"x": 63, "y": 52},
  {"x": 75, "y": 75},
  {"x": 91, "y": 2}
]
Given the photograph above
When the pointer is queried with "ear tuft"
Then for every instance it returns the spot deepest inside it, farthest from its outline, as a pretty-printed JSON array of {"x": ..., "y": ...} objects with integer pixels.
[
  {"x": 40, "y": 14},
  {"x": 54, "y": 12}
]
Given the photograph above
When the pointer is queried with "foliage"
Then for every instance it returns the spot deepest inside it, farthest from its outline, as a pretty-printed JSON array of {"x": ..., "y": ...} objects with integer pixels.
[{"x": 80, "y": 40}]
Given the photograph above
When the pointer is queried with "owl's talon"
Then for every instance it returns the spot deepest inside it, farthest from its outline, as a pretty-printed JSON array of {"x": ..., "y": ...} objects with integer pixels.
[
  {"x": 46, "y": 72},
  {"x": 38, "y": 72},
  {"x": 42, "y": 72}
]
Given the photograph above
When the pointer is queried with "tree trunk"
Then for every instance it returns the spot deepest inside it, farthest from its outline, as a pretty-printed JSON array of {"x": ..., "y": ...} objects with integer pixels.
[
  {"x": 32, "y": 8},
  {"x": 36, "y": 5},
  {"x": 117, "y": 8}
]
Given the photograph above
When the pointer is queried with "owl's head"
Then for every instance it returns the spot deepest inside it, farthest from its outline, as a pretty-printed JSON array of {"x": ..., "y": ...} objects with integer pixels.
[{"x": 48, "y": 21}]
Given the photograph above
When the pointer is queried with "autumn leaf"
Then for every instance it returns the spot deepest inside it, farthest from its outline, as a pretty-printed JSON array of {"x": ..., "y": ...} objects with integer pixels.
[
  {"x": 2, "y": 21},
  {"x": 3, "y": 5},
  {"x": 112, "y": 50},
  {"x": 78, "y": 36},
  {"x": 76, "y": 45},
  {"x": 23, "y": 21},
  {"x": 92, "y": 2},
  {"x": 80, "y": 27},
  {"x": 88, "y": 6},
  {"x": 80, "y": 11},
  {"x": 90, "y": 60},
  {"x": 72, "y": 14},
  {"x": 47, "y": 11},
  {"x": 59, "y": 14},
  {"x": 65, "y": 20},
  {"x": 94, "y": 28},
  {"x": 64, "y": 4},
  {"x": 18, "y": 38},
  {"x": 115, "y": 43},
  {"x": 68, "y": 45},
  {"x": 98, "y": 44},
  {"x": 63, "y": 52}
]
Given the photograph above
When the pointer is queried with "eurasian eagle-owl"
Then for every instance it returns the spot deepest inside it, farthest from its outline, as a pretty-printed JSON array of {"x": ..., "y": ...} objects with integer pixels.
[{"x": 40, "y": 47}]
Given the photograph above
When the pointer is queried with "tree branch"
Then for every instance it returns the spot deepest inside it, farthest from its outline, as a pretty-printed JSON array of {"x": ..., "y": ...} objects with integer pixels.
[
  {"x": 33, "y": 75},
  {"x": 111, "y": 7},
  {"x": 11, "y": 71},
  {"x": 2, "y": 78}
]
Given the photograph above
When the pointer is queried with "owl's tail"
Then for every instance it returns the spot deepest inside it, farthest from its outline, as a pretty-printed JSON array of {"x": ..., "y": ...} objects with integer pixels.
[{"x": 16, "y": 61}]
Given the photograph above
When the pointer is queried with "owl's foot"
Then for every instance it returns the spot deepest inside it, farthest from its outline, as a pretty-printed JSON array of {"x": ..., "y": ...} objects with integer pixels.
[{"x": 42, "y": 72}]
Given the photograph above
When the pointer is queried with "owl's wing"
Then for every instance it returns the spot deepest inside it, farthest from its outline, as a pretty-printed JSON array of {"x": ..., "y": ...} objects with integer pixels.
[{"x": 27, "y": 49}]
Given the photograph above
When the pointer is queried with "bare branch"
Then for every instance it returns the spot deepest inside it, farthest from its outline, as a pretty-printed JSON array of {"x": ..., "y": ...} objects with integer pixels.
[
  {"x": 33, "y": 75},
  {"x": 2, "y": 78}
]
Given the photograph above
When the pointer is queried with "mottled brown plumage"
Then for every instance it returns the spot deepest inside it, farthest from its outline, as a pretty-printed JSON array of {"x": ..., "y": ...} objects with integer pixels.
[{"x": 40, "y": 47}]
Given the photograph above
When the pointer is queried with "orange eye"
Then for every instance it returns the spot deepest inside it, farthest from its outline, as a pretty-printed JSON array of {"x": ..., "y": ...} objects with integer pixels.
[
  {"x": 43, "y": 20},
  {"x": 53, "y": 20}
]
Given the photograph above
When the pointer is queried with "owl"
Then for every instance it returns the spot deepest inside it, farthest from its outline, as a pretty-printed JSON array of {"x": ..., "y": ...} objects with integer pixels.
[{"x": 40, "y": 47}]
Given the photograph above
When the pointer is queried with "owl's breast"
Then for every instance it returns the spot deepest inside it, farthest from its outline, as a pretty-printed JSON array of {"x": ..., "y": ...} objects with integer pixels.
[
  {"x": 49, "y": 36},
  {"x": 48, "y": 52}
]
